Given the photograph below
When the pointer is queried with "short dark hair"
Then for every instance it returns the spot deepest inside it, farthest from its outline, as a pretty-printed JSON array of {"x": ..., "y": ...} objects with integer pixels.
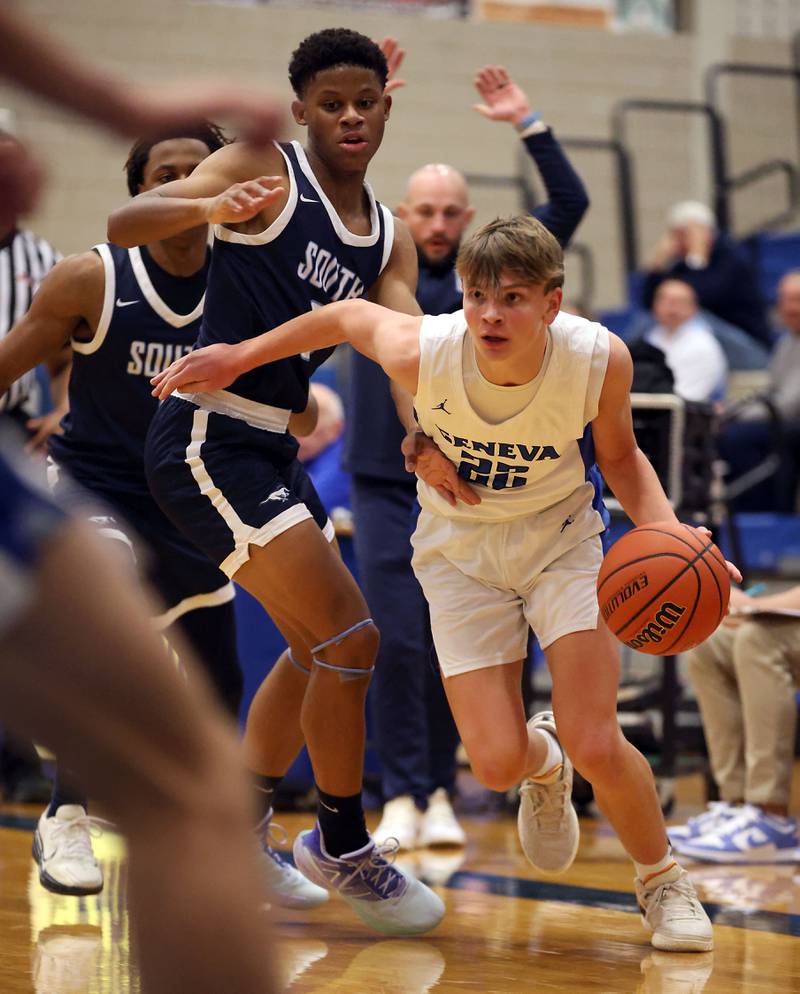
[
  {"x": 334, "y": 47},
  {"x": 211, "y": 135}
]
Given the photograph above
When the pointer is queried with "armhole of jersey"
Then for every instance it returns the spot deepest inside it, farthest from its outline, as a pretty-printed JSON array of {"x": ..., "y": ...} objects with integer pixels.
[
  {"x": 271, "y": 232},
  {"x": 388, "y": 236},
  {"x": 100, "y": 332},
  {"x": 598, "y": 366}
]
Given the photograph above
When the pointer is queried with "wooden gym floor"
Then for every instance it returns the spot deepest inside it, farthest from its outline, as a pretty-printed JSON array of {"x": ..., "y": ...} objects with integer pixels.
[{"x": 506, "y": 930}]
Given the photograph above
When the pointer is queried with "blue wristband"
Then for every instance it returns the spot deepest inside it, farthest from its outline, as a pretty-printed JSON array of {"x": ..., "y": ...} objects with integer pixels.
[{"x": 527, "y": 121}]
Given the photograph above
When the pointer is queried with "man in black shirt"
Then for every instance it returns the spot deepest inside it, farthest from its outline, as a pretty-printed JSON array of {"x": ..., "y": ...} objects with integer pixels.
[{"x": 414, "y": 732}]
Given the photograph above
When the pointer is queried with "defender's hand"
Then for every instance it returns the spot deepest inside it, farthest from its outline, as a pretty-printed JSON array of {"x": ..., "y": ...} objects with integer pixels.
[
  {"x": 243, "y": 201},
  {"x": 431, "y": 465},
  {"x": 394, "y": 59},
  {"x": 503, "y": 99},
  {"x": 42, "y": 428},
  {"x": 211, "y": 368}
]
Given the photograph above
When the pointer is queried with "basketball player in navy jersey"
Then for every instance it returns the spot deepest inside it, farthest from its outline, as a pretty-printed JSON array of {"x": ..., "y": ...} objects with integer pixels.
[
  {"x": 127, "y": 314},
  {"x": 295, "y": 229},
  {"x": 531, "y": 395}
]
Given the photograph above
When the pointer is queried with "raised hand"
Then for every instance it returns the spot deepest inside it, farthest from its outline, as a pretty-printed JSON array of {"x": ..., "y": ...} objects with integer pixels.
[
  {"x": 502, "y": 99},
  {"x": 211, "y": 368},
  {"x": 423, "y": 457},
  {"x": 243, "y": 201},
  {"x": 394, "y": 59}
]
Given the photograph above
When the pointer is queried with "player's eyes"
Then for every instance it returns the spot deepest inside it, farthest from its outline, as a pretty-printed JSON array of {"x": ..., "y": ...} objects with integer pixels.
[
  {"x": 330, "y": 105},
  {"x": 166, "y": 178},
  {"x": 512, "y": 298},
  {"x": 366, "y": 104}
]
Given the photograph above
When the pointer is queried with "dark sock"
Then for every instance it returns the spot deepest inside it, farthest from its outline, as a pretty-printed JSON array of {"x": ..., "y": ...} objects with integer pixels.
[
  {"x": 341, "y": 821},
  {"x": 65, "y": 791},
  {"x": 264, "y": 788}
]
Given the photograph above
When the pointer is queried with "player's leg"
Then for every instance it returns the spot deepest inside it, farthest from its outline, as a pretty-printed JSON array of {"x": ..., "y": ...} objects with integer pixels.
[
  {"x": 585, "y": 669},
  {"x": 154, "y": 748},
  {"x": 299, "y": 576},
  {"x": 211, "y": 633}
]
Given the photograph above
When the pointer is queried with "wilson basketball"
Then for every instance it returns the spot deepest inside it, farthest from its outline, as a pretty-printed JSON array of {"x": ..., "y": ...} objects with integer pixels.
[{"x": 663, "y": 588}]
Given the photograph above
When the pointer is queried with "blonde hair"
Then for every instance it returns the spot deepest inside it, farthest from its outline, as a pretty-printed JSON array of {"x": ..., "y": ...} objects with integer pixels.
[{"x": 519, "y": 245}]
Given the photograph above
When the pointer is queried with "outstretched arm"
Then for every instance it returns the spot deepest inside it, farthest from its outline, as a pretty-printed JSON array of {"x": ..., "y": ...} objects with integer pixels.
[
  {"x": 505, "y": 100},
  {"x": 226, "y": 188},
  {"x": 386, "y": 337}
]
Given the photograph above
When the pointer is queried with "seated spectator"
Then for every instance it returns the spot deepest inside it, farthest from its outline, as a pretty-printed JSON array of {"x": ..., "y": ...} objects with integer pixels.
[
  {"x": 692, "y": 352},
  {"x": 745, "y": 444},
  {"x": 723, "y": 279},
  {"x": 744, "y": 678},
  {"x": 785, "y": 365}
]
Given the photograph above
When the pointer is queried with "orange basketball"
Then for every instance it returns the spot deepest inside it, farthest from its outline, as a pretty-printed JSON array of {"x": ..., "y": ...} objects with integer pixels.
[{"x": 663, "y": 588}]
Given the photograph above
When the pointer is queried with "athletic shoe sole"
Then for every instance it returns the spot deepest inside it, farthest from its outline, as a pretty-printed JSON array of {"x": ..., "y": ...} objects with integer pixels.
[{"x": 55, "y": 886}]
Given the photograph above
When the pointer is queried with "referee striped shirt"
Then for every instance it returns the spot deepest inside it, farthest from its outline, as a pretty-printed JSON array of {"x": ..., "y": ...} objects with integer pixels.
[{"x": 25, "y": 260}]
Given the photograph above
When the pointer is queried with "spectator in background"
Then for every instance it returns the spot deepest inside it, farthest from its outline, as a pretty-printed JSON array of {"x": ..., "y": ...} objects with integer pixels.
[
  {"x": 744, "y": 677},
  {"x": 785, "y": 364},
  {"x": 414, "y": 731},
  {"x": 692, "y": 352},
  {"x": 694, "y": 251}
]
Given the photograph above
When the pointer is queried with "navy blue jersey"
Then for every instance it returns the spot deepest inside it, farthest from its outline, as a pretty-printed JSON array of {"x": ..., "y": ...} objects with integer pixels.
[
  {"x": 111, "y": 404},
  {"x": 304, "y": 259}
]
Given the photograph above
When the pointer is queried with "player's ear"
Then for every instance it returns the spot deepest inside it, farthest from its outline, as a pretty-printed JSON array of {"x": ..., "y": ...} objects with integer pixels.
[
  {"x": 555, "y": 298},
  {"x": 299, "y": 112},
  {"x": 387, "y": 106}
]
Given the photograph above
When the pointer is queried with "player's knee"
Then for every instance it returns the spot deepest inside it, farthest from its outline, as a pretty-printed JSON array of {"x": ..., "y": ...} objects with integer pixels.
[
  {"x": 594, "y": 752},
  {"x": 499, "y": 770},
  {"x": 356, "y": 651}
]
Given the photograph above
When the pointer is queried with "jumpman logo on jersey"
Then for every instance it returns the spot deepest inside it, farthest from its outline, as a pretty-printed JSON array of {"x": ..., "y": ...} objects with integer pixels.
[
  {"x": 567, "y": 522},
  {"x": 441, "y": 407}
]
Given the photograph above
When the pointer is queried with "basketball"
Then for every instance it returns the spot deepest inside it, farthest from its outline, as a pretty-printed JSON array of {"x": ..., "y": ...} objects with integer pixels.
[{"x": 663, "y": 588}]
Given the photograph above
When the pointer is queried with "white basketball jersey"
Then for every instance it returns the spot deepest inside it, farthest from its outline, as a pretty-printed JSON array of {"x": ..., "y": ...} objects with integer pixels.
[{"x": 532, "y": 461}]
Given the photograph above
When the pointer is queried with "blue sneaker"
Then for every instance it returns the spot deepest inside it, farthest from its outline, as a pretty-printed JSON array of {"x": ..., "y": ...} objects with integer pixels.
[
  {"x": 715, "y": 815},
  {"x": 381, "y": 895},
  {"x": 751, "y": 837}
]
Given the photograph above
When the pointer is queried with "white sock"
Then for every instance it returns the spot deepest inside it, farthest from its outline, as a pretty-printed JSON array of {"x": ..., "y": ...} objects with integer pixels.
[
  {"x": 647, "y": 872},
  {"x": 553, "y": 760}
]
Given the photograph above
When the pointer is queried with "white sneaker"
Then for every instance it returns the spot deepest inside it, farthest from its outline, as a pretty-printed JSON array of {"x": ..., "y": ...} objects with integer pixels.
[
  {"x": 546, "y": 822},
  {"x": 288, "y": 886},
  {"x": 673, "y": 914},
  {"x": 62, "y": 847},
  {"x": 439, "y": 826},
  {"x": 400, "y": 821}
]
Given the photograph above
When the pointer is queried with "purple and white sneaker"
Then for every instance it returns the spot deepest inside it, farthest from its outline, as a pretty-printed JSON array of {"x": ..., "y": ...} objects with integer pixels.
[
  {"x": 752, "y": 837},
  {"x": 381, "y": 895},
  {"x": 715, "y": 815}
]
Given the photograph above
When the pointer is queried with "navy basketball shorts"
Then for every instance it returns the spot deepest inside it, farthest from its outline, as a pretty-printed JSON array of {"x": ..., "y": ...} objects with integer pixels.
[
  {"x": 226, "y": 484},
  {"x": 28, "y": 519},
  {"x": 184, "y": 578}
]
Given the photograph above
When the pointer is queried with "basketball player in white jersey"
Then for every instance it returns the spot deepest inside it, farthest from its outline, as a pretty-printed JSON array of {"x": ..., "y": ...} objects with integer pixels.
[{"x": 520, "y": 398}]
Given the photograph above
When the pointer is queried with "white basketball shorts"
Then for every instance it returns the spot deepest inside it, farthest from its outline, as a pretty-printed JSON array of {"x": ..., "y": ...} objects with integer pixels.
[{"x": 487, "y": 582}]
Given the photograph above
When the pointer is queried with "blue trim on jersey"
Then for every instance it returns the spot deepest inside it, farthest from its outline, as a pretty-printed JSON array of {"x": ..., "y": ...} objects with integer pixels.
[{"x": 593, "y": 476}]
